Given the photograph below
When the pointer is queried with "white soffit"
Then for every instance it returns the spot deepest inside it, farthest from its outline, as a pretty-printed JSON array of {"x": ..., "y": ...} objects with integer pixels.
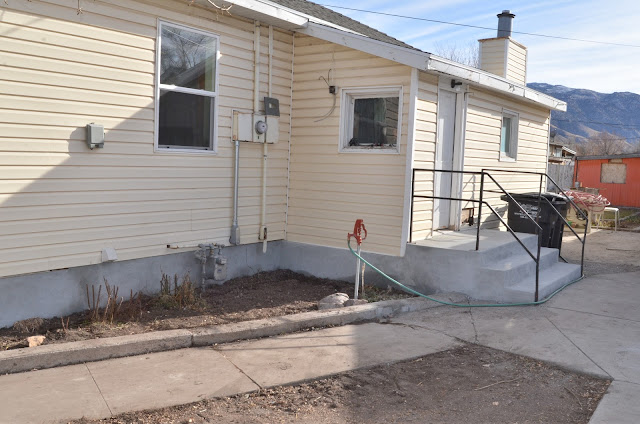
[
  {"x": 265, "y": 12},
  {"x": 274, "y": 14}
]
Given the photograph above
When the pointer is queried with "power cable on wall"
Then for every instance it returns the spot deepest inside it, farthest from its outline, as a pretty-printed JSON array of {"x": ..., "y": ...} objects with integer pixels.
[{"x": 480, "y": 27}]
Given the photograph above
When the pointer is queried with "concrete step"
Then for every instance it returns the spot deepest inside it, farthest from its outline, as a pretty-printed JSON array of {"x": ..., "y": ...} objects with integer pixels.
[
  {"x": 551, "y": 279},
  {"x": 511, "y": 269},
  {"x": 507, "y": 247},
  {"x": 494, "y": 245}
]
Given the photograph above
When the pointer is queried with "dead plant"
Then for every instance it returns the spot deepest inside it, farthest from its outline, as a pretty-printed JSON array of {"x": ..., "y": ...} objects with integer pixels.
[
  {"x": 185, "y": 293},
  {"x": 132, "y": 309},
  {"x": 115, "y": 309},
  {"x": 182, "y": 296},
  {"x": 93, "y": 303},
  {"x": 113, "y": 306},
  {"x": 30, "y": 325},
  {"x": 65, "y": 325}
]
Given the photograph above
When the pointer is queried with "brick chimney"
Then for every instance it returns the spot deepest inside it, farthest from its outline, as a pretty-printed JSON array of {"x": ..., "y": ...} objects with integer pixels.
[{"x": 503, "y": 55}]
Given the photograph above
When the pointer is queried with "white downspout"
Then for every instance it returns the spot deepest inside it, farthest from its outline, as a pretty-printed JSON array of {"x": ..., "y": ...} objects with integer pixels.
[
  {"x": 263, "y": 219},
  {"x": 256, "y": 109}
]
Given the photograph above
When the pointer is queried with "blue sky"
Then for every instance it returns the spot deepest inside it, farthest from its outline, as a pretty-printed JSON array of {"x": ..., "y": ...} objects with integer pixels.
[{"x": 599, "y": 67}]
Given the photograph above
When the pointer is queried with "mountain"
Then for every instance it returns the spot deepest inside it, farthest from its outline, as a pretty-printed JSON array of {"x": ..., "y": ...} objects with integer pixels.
[{"x": 589, "y": 112}]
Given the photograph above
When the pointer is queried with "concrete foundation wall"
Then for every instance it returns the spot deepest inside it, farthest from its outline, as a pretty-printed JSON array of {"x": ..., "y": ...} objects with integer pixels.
[
  {"x": 62, "y": 292},
  {"x": 58, "y": 293}
]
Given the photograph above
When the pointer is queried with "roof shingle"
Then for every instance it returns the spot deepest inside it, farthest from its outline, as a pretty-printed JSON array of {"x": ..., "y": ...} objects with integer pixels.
[{"x": 325, "y": 14}]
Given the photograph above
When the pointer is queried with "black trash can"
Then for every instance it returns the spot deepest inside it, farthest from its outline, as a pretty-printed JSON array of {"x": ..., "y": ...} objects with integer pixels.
[{"x": 552, "y": 225}]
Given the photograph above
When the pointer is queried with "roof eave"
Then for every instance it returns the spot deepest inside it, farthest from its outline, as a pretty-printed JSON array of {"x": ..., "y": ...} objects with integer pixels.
[
  {"x": 266, "y": 12},
  {"x": 427, "y": 62},
  {"x": 274, "y": 14},
  {"x": 486, "y": 79}
]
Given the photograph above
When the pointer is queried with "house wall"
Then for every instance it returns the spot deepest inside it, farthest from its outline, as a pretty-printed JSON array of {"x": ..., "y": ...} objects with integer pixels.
[
  {"x": 588, "y": 173},
  {"x": 504, "y": 57},
  {"x": 492, "y": 55},
  {"x": 516, "y": 62},
  {"x": 482, "y": 147},
  {"x": 61, "y": 203},
  {"x": 329, "y": 190},
  {"x": 424, "y": 153}
]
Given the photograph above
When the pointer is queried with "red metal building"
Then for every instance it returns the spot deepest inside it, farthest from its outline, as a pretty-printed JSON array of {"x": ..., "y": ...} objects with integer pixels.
[{"x": 617, "y": 177}]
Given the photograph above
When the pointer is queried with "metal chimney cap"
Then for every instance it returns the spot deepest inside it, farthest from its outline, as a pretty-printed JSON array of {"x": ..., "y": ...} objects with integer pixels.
[{"x": 506, "y": 13}]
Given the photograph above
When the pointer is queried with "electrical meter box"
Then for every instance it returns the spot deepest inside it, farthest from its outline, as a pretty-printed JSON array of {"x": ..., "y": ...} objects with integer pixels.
[
  {"x": 95, "y": 136},
  {"x": 255, "y": 128}
]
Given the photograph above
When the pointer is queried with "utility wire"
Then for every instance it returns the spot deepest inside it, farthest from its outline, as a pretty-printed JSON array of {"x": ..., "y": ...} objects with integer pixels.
[{"x": 480, "y": 27}]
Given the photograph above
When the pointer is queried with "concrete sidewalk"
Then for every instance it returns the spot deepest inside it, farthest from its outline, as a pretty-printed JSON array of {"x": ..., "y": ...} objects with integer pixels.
[
  {"x": 100, "y": 389},
  {"x": 592, "y": 327}
]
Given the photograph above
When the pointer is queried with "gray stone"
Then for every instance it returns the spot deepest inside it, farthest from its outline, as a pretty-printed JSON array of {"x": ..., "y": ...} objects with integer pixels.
[
  {"x": 352, "y": 302},
  {"x": 333, "y": 301},
  {"x": 35, "y": 340}
]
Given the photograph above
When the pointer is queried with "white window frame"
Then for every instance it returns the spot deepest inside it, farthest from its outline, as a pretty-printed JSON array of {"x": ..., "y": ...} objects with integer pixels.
[
  {"x": 512, "y": 156},
  {"x": 213, "y": 148},
  {"x": 347, "y": 112}
]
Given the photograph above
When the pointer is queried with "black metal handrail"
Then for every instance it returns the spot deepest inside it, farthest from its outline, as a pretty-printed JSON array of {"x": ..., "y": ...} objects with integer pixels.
[
  {"x": 481, "y": 202},
  {"x": 492, "y": 210},
  {"x": 582, "y": 240}
]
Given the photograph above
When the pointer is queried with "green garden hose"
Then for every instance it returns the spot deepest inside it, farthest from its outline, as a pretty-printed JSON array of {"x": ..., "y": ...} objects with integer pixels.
[{"x": 461, "y": 305}]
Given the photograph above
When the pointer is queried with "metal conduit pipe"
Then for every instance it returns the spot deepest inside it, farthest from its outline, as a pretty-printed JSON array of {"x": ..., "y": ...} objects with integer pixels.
[{"x": 234, "y": 238}]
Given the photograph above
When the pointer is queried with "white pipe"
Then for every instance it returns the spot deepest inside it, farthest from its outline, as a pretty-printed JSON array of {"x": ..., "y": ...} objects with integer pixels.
[
  {"x": 235, "y": 230},
  {"x": 256, "y": 109},
  {"x": 357, "y": 285},
  {"x": 256, "y": 68},
  {"x": 263, "y": 226},
  {"x": 270, "y": 59}
]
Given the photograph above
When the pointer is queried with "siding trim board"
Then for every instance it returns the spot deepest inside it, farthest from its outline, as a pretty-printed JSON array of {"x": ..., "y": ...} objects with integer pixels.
[{"x": 411, "y": 136}]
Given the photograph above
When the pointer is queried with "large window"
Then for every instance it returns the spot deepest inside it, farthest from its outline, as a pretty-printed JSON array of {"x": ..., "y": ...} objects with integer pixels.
[
  {"x": 371, "y": 119},
  {"x": 187, "y": 88},
  {"x": 509, "y": 136}
]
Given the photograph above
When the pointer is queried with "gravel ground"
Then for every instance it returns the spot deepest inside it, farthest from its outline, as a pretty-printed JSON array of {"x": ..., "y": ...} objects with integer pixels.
[
  {"x": 469, "y": 384},
  {"x": 606, "y": 251}
]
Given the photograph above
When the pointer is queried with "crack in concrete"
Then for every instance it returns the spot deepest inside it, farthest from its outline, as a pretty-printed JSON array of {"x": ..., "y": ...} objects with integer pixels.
[
  {"x": 435, "y": 330},
  {"x": 473, "y": 323},
  {"x": 628, "y": 382},
  {"x": 99, "y": 390},
  {"x": 577, "y": 347},
  {"x": 591, "y": 313},
  {"x": 241, "y": 371}
]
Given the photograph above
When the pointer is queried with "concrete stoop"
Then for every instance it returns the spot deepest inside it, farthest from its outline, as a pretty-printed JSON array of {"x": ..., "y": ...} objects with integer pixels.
[{"x": 501, "y": 270}]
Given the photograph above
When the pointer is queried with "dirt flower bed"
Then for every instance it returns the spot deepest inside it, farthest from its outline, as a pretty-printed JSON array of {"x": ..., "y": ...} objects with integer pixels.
[
  {"x": 469, "y": 384},
  {"x": 180, "y": 305}
]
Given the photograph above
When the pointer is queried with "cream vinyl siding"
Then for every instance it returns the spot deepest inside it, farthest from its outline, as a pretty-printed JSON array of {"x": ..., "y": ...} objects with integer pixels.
[
  {"x": 517, "y": 63},
  {"x": 492, "y": 55},
  {"x": 330, "y": 190},
  {"x": 504, "y": 57},
  {"x": 61, "y": 203},
  {"x": 482, "y": 146},
  {"x": 424, "y": 153}
]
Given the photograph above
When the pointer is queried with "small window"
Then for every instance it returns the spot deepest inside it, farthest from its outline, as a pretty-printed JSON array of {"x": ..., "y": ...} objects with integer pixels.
[
  {"x": 509, "y": 136},
  {"x": 613, "y": 173},
  {"x": 187, "y": 88},
  {"x": 371, "y": 119}
]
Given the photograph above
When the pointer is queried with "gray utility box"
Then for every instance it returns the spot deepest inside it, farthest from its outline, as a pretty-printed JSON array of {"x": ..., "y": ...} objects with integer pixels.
[{"x": 95, "y": 135}]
